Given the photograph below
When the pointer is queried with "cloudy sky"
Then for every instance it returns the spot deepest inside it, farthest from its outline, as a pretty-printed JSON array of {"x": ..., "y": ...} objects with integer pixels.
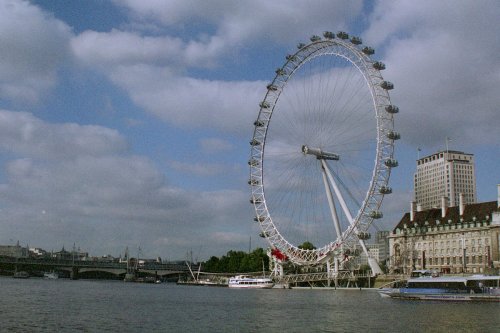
[{"x": 126, "y": 123}]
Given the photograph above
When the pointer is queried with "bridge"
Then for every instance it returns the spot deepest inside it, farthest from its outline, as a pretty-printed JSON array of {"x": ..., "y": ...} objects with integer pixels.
[{"x": 83, "y": 268}]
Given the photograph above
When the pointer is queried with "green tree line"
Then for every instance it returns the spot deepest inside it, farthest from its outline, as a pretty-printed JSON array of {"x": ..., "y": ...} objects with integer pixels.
[{"x": 237, "y": 262}]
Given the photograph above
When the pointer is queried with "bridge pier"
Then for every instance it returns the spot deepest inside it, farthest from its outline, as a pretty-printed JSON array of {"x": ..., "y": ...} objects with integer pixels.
[{"x": 73, "y": 275}]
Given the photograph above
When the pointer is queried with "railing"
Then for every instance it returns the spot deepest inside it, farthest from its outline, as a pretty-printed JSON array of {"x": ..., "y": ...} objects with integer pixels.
[{"x": 321, "y": 276}]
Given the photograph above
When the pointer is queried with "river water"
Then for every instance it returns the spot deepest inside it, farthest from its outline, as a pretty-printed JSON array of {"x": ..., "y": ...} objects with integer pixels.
[{"x": 37, "y": 305}]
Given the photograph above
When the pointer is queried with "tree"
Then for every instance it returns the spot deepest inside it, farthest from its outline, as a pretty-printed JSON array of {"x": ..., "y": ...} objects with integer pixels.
[{"x": 307, "y": 246}]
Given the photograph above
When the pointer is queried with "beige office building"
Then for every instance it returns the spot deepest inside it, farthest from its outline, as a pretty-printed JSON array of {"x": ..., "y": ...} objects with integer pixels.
[
  {"x": 461, "y": 239},
  {"x": 445, "y": 174}
]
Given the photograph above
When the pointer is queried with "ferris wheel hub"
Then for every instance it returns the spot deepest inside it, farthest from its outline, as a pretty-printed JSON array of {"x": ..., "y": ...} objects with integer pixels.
[{"x": 320, "y": 154}]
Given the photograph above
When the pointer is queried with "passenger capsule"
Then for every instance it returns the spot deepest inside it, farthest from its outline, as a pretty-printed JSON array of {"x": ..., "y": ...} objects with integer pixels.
[
  {"x": 259, "y": 218},
  {"x": 328, "y": 35},
  {"x": 264, "y": 104},
  {"x": 253, "y": 162},
  {"x": 356, "y": 40},
  {"x": 264, "y": 234},
  {"x": 393, "y": 135},
  {"x": 391, "y": 163},
  {"x": 253, "y": 182},
  {"x": 385, "y": 190},
  {"x": 255, "y": 200},
  {"x": 376, "y": 214},
  {"x": 315, "y": 38},
  {"x": 254, "y": 142},
  {"x": 258, "y": 123},
  {"x": 387, "y": 85},
  {"x": 364, "y": 235},
  {"x": 368, "y": 50},
  {"x": 280, "y": 71},
  {"x": 342, "y": 35},
  {"x": 272, "y": 87},
  {"x": 301, "y": 45},
  {"x": 379, "y": 65},
  {"x": 392, "y": 109}
]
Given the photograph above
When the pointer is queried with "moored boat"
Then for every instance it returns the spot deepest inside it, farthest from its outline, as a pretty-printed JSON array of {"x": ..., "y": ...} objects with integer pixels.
[
  {"x": 50, "y": 275},
  {"x": 250, "y": 282},
  {"x": 21, "y": 275},
  {"x": 448, "y": 288},
  {"x": 203, "y": 282}
]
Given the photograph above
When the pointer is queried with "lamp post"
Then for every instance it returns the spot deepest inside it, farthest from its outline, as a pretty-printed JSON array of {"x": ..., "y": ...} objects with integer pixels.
[{"x": 464, "y": 250}]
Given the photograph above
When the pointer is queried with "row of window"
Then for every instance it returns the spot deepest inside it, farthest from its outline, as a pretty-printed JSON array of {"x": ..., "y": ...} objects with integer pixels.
[
  {"x": 454, "y": 243},
  {"x": 454, "y": 260}
]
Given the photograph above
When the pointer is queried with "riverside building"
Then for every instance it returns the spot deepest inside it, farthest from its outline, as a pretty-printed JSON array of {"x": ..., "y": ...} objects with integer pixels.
[
  {"x": 445, "y": 174},
  {"x": 460, "y": 239}
]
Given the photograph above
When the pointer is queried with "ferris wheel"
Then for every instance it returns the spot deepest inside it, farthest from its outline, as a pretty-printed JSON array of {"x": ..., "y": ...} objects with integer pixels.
[{"x": 322, "y": 150}]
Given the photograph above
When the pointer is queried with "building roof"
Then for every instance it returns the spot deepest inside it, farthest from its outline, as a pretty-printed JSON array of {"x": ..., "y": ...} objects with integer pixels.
[
  {"x": 421, "y": 159},
  {"x": 478, "y": 210}
]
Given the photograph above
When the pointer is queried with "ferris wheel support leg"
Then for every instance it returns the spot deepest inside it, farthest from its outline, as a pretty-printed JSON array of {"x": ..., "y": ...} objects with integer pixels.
[
  {"x": 276, "y": 266},
  {"x": 337, "y": 192},
  {"x": 329, "y": 195},
  {"x": 371, "y": 261}
]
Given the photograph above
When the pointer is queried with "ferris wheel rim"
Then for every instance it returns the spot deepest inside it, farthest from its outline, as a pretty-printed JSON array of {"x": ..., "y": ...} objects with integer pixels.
[{"x": 384, "y": 151}]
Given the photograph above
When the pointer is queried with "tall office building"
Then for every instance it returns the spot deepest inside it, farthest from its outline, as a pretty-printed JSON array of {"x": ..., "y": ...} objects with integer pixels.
[
  {"x": 445, "y": 174},
  {"x": 382, "y": 239}
]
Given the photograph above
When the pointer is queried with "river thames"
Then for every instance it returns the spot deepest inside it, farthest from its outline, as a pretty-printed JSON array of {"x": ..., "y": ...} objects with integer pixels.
[{"x": 37, "y": 305}]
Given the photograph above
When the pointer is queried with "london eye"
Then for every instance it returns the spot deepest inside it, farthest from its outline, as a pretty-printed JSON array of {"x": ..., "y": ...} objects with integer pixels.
[{"x": 322, "y": 150}]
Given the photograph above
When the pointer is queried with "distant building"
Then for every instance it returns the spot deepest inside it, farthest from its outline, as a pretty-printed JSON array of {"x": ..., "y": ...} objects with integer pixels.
[
  {"x": 36, "y": 252},
  {"x": 70, "y": 255},
  {"x": 362, "y": 259},
  {"x": 382, "y": 239},
  {"x": 445, "y": 174},
  {"x": 458, "y": 239},
  {"x": 16, "y": 251}
]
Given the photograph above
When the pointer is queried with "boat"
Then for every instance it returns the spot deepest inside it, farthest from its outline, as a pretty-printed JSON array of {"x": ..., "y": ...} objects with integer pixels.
[
  {"x": 448, "y": 288},
  {"x": 21, "y": 275},
  {"x": 196, "y": 281},
  {"x": 250, "y": 282},
  {"x": 203, "y": 282},
  {"x": 50, "y": 275}
]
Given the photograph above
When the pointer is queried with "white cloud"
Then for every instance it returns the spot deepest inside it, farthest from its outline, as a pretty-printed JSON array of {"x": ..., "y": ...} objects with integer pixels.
[
  {"x": 33, "y": 45},
  {"x": 153, "y": 69},
  {"x": 23, "y": 133},
  {"x": 121, "y": 49},
  {"x": 443, "y": 58},
  {"x": 79, "y": 183},
  {"x": 192, "y": 103},
  {"x": 231, "y": 23}
]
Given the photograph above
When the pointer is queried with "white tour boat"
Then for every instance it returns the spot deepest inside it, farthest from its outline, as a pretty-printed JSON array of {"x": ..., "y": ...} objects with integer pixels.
[
  {"x": 247, "y": 281},
  {"x": 448, "y": 288}
]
